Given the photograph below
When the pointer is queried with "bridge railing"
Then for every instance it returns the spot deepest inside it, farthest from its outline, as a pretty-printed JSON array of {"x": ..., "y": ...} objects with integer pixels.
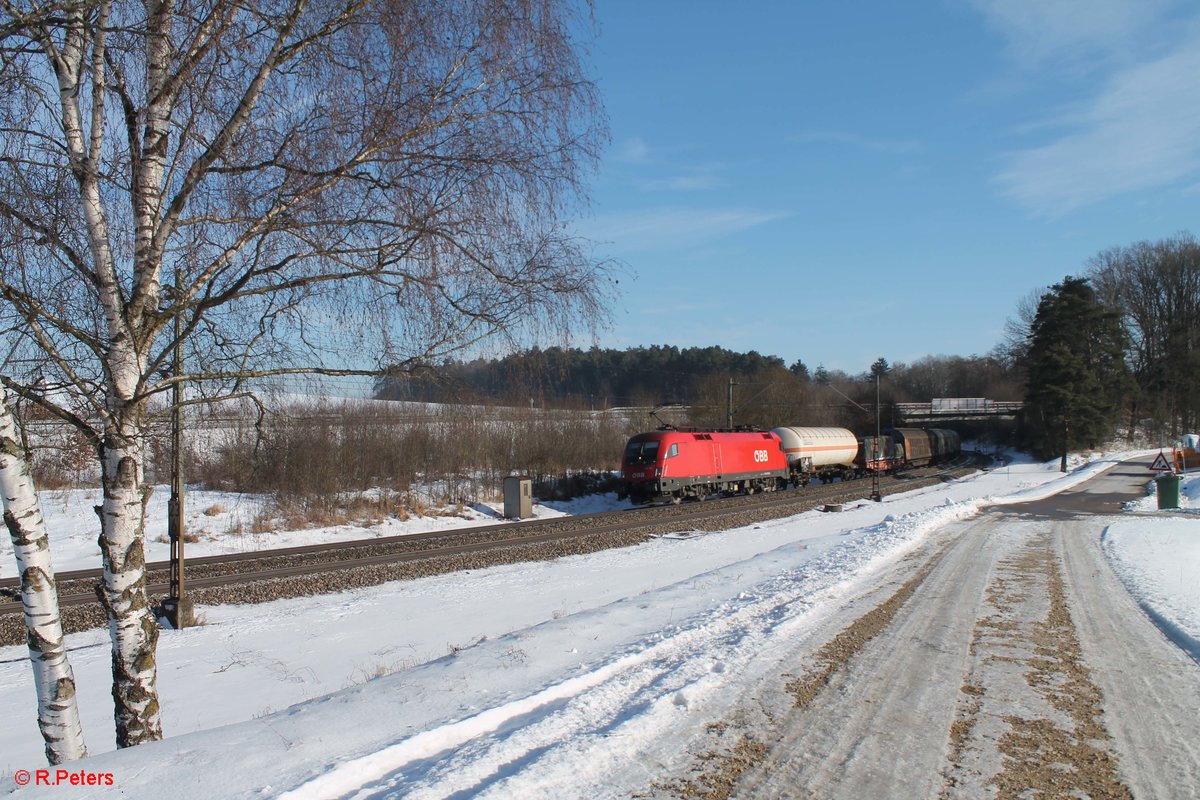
[{"x": 960, "y": 407}]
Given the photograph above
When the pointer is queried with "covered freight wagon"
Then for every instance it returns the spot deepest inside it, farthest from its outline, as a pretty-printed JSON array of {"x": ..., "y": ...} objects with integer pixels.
[
  {"x": 923, "y": 446},
  {"x": 879, "y": 454},
  {"x": 944, "y": 443},
  {"x": 914, "y": 443}
]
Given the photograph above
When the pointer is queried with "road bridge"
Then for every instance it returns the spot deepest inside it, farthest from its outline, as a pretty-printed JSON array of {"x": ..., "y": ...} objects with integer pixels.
[{"x": 942, "y": 409}]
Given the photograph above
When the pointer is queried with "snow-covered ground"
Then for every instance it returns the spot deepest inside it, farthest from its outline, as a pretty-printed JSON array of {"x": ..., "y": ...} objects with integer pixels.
[
  {"x": 226, "y": 522},
  {"x": 1157, "y": 558},
  {"x": 507, "y": 674}
]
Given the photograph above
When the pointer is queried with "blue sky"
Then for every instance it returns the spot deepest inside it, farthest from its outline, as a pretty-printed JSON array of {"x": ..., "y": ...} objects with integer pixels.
[{"x": 836, "y": 181}]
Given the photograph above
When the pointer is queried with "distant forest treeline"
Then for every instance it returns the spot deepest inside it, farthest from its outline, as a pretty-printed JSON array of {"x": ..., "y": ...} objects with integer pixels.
[
  {"x": 767, "y": 391},
  {"x": 599, "y": 377}
]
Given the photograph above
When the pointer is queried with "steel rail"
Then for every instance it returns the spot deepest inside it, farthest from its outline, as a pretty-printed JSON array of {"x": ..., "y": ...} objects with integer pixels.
[{"x": 77, "y": 587}]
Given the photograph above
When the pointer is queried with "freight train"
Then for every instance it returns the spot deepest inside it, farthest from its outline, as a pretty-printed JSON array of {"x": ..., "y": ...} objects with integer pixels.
[{"x": 678, "y": 464}]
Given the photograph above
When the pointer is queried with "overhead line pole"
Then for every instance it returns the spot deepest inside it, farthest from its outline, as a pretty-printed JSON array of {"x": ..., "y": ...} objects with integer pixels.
[
  {"x": 875, "y": 495},
  {"x": 177, "y": 605},
  {"x": 729, "y": 418}
]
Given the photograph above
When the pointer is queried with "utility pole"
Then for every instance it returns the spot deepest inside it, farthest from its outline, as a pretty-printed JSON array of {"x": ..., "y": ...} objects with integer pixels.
[
  {"x": 730, "y": 416},
  {"x": 875, "y": 495},
  {"x": 729, "y": 419},
  {"x": 178, "y": 607}
]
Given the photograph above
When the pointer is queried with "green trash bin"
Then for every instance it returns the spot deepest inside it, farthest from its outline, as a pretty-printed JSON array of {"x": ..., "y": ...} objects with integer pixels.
[{"x": 1167, "y": 487}]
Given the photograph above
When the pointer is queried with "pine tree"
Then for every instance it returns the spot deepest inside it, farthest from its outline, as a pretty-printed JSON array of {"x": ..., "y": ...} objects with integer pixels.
[{"x": 1077, "y": 373}]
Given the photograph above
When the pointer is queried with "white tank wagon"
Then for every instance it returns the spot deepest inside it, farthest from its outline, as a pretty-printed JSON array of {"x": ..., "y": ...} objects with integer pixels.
[{"x": 817, "y": 452}]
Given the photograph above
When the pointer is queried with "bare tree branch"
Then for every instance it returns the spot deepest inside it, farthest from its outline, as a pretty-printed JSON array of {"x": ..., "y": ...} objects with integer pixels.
[{"x": 308, "y": 187}]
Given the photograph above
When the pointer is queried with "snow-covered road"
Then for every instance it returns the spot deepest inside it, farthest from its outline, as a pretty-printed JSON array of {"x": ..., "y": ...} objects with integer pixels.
[{"x": 1018, "y": 663}]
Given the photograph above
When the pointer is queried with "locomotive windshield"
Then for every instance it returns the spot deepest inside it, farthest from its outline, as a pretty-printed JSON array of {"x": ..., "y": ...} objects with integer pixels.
[{"x": 640, "y": 453}]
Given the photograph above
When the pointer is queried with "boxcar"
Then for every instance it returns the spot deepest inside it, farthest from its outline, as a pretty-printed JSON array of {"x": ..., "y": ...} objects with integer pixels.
[
  {"x": 944, "y": 443},
  {"x": 884, "y": 455},
  {"x": 676, "y": 465},
  {"x": 922, "y": 446},
  {"x": 914, "y": 443}
]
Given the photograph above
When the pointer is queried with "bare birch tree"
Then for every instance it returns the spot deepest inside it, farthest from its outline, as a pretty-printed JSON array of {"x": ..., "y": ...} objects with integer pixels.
[
  {"x": 304, "y": 186},
  {"x": 58, "y": 712}
]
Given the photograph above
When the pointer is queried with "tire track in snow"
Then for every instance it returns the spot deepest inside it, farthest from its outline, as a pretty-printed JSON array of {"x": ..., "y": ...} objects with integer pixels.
[
  {"x": 591, "y": 723},
  {"x": 1030, "y": 716},
  {"x": 720, "y": 783}
]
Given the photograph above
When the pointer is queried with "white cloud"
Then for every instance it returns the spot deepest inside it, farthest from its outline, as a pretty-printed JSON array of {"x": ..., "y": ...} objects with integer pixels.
[
  {"x": 890, "y": 146},
  {"x": 640, "y": 159},
  {"x": 1141, "y": 131},
  {"x": 634, "y": 151},
  {"x": 1039, "y": 30},
  {"x": 683, "y": 183},
  {"x": 673, "y": 228}
]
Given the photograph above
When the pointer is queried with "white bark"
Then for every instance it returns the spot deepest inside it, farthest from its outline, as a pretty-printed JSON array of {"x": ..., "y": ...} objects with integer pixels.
[
  {"x": 403, "y": 168},
  {"x": 133, "y": 628},
  {"x": 58, "y": 714}
]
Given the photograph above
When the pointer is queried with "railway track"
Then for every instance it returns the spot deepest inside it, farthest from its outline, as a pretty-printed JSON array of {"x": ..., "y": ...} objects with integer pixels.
[{"x": 300, "y": 571}]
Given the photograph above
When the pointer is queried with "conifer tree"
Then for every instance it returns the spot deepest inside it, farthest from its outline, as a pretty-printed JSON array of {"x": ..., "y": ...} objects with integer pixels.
[{"x": 1077, "y": 372}]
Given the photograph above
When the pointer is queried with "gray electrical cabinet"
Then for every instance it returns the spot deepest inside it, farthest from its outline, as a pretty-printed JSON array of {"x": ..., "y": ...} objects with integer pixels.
[{"x": 518, "y": 497}]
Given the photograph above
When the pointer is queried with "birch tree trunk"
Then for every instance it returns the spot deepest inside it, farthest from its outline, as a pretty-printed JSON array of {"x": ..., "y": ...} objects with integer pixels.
[
  {"x": 132, "y": 626},
  {"x": 58, "y": 713},
  {"x": 130, "y": 329},
  {"x": 333, "y": 188}
]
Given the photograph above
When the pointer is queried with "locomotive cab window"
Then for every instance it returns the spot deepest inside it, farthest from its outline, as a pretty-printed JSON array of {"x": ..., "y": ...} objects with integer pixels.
[
  {"x": 674, "y": 451},
  {"x": 641, "y": 453}
]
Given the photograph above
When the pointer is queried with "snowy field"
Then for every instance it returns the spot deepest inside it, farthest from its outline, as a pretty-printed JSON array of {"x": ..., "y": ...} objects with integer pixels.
[
  {"x": 225, "y": 522},
  {"x": 549, "y": 679}
]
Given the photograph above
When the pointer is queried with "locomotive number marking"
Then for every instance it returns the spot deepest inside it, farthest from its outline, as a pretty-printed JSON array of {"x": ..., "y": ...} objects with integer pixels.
[{"x": 761, "y": 456}]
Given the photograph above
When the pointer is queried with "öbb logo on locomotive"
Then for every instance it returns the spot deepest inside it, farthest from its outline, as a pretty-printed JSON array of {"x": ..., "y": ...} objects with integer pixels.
[{"x": 679, "y": 463}]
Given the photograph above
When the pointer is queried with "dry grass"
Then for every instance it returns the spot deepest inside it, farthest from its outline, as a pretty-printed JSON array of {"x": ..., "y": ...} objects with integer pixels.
[
  {"x": 310, "y": 458},
  {"x": 188, "y": 537},
  {"x": 358, "y": 464},
  {"x": 364, "y": 510}
]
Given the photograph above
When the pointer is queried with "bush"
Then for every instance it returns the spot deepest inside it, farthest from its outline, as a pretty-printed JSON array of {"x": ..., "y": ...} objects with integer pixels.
[{"x": 315, "y": 457}]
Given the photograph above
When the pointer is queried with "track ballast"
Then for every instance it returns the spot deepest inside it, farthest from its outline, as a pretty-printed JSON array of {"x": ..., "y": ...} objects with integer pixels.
[{"x": 319, "y": 569}]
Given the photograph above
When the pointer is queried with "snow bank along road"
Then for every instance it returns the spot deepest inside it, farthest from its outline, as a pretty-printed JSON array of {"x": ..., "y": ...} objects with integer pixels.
[{"x": 1002, "y": 657}]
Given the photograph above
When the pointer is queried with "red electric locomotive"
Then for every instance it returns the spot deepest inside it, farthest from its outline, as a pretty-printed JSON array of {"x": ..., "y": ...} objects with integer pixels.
[{"x": 678, "y": 464}]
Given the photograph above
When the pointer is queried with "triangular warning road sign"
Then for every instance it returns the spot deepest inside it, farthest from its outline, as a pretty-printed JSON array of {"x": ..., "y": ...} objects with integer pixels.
[{"x": 1160, "y": 464}]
